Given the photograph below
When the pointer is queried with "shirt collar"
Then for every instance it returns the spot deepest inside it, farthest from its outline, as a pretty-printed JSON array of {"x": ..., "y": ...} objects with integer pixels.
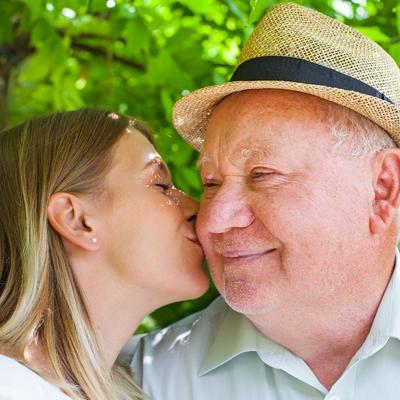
[
  {"x": 246, "y": 338},
  {"x": 387, "y": 319},
  {"x": 227, "y": 346},
  {"x": 395, "y": 296}
]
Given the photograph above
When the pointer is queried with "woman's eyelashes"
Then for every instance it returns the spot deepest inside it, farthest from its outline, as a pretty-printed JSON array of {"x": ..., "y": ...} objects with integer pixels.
[{"x": 165, "y": 187}]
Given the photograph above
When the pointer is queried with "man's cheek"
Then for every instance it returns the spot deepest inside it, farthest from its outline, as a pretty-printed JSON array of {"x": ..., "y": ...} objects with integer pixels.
[
  {"x": 216, "y": 270},
  {"x": 201, "y": 227},
  {"x": 204, "y": 240}
]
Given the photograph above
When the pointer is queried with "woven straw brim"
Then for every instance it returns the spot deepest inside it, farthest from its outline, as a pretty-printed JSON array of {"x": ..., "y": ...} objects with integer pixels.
[{"x": 191, "y": 113}]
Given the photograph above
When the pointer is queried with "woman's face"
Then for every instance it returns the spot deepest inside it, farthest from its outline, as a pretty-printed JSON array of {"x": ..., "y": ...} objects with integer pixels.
[{"x": 146, "y": 226}]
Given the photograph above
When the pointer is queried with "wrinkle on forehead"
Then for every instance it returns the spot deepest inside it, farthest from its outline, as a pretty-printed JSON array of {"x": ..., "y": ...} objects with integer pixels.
[
  {"x": 253, "y": 151},
  {"x": 248, "y": 111},
  {"x": 304, "y": 107}
]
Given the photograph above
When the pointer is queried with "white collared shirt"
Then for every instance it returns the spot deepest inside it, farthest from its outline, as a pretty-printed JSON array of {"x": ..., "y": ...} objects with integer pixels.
[{"x": 218, "y": 354}]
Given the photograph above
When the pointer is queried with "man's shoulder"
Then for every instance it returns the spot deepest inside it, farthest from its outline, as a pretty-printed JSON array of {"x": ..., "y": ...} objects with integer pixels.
[{"x": 195, "y": 330}]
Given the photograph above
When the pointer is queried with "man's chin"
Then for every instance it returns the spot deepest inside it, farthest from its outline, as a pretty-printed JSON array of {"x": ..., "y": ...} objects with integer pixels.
[{"x": 244, "y": 297}]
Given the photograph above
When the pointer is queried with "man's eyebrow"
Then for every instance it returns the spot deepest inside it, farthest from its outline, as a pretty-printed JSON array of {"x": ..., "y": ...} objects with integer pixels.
[
  {"x": 202, "y": 160},
  {"x": 252, "y": 151}
]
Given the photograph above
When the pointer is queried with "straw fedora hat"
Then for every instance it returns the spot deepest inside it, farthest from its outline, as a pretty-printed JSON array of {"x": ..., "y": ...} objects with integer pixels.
[{"x": 296, "y": 48}]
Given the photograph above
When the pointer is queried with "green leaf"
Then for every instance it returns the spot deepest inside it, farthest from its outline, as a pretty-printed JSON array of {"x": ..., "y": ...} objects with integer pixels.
[
  {"x": 149, "y": 323},
  {"x": 167, "y": 102},
  {"x": 36, "y": 67},
  {"x": 71, "y": 98},
  {"x": 374, "y": 33},
  {"x": 182, "y": 154},
  {"x": 191, "y": 176},
  {"x": 96, "y": 6},
  {"x": 236, "y": 10},
  {"x": 6, "y": 34},
  {"x": 49, "y": 58},
  {"x": 398, "y": 17},
  {"x": 200, "y": 7},
  {"x": 394, "y": 51},
  {"x": 137, "y": 37},
  {"x": 258, "y": 8},
  {"x": 41, "y": 32},
  {"x": 126, "y": 11},
  {"x": 56, "y": 48},
  {"x": 35, "y": 8},
  {"x": 165, "y": 72}
]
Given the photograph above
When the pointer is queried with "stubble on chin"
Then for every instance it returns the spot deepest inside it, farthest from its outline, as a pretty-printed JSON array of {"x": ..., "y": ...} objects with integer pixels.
[
  {"x": 249, "y": 297},
  {"x": 240, "y": 295}
]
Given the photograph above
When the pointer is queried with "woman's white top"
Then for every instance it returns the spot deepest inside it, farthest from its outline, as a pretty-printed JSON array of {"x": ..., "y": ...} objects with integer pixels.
[{"x": 18, "y": 382}]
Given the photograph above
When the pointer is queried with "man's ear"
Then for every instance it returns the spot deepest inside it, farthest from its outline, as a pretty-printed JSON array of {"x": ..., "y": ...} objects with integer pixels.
[
  {"x": 65, "y": 213},
  {"x": 386, "y": 183}
]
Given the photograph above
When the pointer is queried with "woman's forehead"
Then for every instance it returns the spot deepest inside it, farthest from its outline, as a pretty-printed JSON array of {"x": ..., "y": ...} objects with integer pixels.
[{"x": 134, "y": 150}]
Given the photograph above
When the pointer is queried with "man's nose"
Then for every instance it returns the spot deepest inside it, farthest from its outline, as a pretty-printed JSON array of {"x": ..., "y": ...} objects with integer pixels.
[
  {"x": 228, "y": 208},
  {"x": 188, "y": 205}
]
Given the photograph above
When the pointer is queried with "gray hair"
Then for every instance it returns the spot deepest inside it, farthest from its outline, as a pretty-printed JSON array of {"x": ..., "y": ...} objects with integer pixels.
[{"x": 357, "y": 136}]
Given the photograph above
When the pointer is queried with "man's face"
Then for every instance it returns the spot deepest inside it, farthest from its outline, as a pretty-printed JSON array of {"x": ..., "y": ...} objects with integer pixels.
[{"x": 284, "y": 220}]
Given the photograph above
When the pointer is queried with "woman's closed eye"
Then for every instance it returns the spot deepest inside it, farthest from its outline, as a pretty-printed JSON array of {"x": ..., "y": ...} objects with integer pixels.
[{"x": 165, "y": 187}]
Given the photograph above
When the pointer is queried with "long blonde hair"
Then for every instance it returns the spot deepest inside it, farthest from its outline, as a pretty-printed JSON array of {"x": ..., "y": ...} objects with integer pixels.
[{"x": 39, "y": 298}]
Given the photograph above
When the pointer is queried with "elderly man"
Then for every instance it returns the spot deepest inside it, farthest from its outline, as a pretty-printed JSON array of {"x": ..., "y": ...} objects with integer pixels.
[{"x": 301, "y": 181}]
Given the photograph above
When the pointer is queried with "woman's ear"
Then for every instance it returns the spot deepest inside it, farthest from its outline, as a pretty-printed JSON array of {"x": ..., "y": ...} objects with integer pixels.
[
  {"x": 386, "y": 184},
  {"x": 65, "y": 213}
]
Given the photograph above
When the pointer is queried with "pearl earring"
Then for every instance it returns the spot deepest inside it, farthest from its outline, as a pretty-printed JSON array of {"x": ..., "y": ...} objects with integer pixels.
[{"x": 94, "y": 239}]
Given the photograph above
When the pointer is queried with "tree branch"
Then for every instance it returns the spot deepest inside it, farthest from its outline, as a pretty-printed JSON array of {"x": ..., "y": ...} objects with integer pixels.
[{"x": 98, "y": 51}]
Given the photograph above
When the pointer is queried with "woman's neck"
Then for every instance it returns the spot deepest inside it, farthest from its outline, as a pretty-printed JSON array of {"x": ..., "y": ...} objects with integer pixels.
[{"x": 114, "y": 319}]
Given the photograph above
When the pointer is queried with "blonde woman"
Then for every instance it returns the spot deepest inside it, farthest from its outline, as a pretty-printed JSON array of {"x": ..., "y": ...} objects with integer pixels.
[{"x": 93, "y": 236}]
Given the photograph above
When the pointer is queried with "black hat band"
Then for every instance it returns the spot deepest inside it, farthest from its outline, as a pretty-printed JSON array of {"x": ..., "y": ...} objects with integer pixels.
[{"x": 290, "y": 69}]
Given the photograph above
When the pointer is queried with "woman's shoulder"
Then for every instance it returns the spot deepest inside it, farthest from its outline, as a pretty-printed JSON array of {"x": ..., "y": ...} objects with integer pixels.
[{"x": 18, "y": 382}]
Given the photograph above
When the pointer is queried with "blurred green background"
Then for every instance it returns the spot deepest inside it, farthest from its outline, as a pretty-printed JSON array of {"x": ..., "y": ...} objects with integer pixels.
[{"x": 138, "y": 57}]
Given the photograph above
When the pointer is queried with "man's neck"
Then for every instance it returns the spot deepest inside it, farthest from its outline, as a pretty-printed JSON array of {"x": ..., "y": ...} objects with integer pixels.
[{"x": 327, "y": 339}]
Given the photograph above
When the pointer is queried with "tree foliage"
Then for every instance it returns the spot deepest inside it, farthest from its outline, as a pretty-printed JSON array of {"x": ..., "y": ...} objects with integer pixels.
[{"x": 138, "y": 57}]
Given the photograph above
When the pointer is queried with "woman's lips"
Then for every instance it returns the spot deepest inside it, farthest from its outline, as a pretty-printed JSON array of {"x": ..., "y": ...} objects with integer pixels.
[
  {"x": 197, "y": 244},
  {"x": 193, "y": 238}
]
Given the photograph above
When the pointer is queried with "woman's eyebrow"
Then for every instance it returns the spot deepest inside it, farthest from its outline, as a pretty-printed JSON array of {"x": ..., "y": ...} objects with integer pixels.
[{"x": 158, "y": 163}]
